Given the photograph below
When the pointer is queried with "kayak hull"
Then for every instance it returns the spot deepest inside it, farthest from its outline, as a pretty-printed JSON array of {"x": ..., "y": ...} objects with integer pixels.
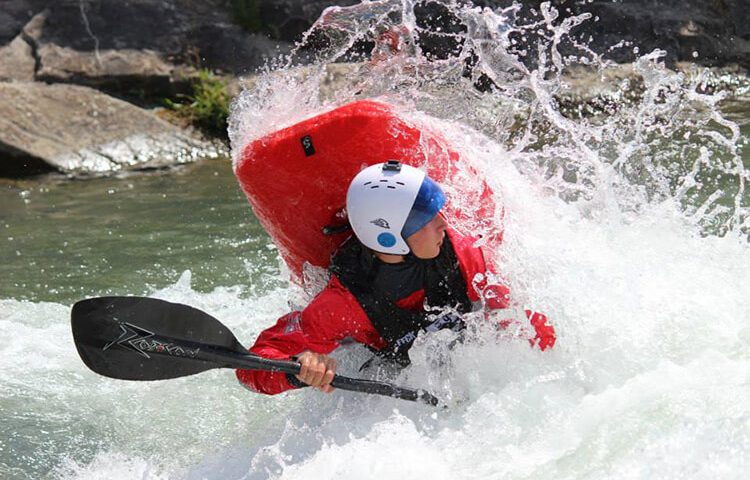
[{"x": 296, "y": 178}]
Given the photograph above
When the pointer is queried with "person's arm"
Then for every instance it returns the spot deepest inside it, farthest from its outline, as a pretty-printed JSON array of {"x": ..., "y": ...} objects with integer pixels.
[
  {"x": 496, "y": 296},
  {"x": 310, "y": 335}
]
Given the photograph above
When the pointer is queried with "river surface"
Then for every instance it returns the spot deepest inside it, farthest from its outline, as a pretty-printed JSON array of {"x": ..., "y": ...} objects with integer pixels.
[
  {"x": 629, "y": 230},
  {"x": 132, "y": 233}
]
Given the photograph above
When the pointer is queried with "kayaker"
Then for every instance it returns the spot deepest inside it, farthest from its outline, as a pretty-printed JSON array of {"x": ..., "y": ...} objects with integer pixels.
[{"x": 402, "y": 257}]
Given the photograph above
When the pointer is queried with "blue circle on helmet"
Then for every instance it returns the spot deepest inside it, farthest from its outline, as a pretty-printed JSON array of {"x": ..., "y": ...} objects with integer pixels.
[{"x": 386, "y": 239}]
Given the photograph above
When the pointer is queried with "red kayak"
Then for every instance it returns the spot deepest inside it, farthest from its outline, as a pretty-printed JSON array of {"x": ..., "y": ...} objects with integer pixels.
[{"x": 296, "y": 178}]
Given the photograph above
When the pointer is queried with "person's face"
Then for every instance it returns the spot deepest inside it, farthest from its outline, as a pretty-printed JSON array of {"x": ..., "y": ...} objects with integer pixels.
[{"x": 425, "y": 243}]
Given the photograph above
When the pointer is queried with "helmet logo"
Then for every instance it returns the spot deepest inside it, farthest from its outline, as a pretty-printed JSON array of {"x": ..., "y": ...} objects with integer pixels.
[{"x": 381, "y": 222}]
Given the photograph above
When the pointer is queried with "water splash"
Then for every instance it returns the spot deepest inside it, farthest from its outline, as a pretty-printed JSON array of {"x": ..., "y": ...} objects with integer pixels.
[
  {"x": 609, "y": 138},
  {"x": 625, "y": 197}
]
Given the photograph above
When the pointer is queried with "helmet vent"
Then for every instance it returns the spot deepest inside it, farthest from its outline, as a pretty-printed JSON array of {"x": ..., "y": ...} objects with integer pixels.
[{"x": 386, "y": 181}]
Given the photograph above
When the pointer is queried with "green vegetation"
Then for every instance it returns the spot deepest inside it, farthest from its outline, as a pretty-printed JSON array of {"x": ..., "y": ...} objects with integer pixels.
[
  {"x": 247, "y": 15},
  {"x": 208, "y": 106}
]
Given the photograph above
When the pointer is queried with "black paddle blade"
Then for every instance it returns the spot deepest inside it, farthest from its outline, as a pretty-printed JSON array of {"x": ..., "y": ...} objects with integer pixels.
[{"x": 140, "y": 338}]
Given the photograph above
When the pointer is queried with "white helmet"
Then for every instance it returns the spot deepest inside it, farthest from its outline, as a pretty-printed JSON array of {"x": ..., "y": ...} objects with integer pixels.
[{"x": 388, "y": 202}]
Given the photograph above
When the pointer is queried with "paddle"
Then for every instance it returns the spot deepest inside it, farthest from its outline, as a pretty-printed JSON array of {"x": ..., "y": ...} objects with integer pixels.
[{"x": 141, "y": 338}]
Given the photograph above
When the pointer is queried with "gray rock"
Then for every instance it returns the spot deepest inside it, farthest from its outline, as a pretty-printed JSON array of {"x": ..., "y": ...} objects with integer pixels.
[
  {"x": 108, "y": 69},
  {"x": 136, "y": 46},
  {"x": 739, "y": 12},
  {"x": 17, "y": 61},
  {"x": 717, "y": 31},
  {"x": 229, "y": 49},
  {"x": 14, "y": 14},
  {"x": 202, "y": 32},
  {"x": 78, "y": 130},
  {"x": 287, "y": 20},
  {"x": 32, "y": 30}
]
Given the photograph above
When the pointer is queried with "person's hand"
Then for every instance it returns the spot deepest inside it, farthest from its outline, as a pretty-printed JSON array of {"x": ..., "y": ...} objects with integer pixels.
[
  {"x": 317, "y": 370},
  {"x": 545, "y": 333}
]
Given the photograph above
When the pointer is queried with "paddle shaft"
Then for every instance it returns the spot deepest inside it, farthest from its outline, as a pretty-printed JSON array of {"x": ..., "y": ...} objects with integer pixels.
[{"x": 226, "y": 358}]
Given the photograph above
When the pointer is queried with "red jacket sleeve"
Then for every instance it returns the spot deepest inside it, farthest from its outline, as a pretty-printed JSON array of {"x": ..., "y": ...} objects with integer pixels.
[{"x": 332, "y": 316}]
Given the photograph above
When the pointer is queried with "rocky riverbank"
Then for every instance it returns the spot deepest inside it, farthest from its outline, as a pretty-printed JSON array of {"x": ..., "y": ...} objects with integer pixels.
[{"x": 79, "y": 79}]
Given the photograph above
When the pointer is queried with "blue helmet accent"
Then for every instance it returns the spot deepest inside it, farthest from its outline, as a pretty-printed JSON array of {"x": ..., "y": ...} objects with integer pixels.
[
  {"x": 430, "y": 199},
  {"x": 387, "y": 239}
]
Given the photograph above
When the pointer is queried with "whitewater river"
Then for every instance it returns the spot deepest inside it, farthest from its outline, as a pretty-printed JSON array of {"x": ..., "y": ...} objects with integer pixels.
[
  {"x": 649, "y": 378},
  {"x": 630, "y": 231}
]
